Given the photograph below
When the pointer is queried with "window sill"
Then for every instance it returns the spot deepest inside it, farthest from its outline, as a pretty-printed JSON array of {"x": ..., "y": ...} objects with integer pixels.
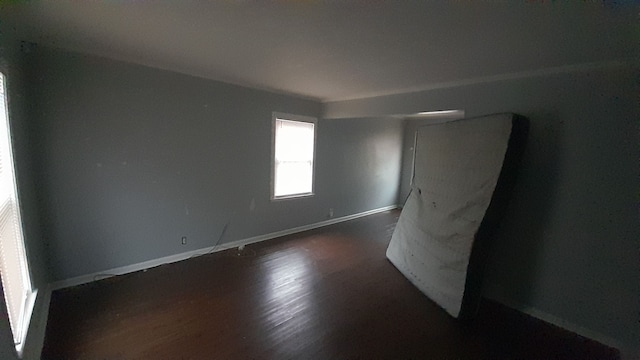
[{"x": 294, "y": 196}]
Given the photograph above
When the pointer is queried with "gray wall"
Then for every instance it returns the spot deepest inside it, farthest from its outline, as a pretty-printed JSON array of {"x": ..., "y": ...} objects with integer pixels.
[
  {"x": 360, "y": 161},
  {"x": 134, "y": 158},
  {"x": 569, "y": 244},
  {"x": 12, "y": 65}
]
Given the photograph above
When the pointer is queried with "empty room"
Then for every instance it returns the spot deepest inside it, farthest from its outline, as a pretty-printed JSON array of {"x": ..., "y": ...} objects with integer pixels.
[{"x": 319, "y": 180}]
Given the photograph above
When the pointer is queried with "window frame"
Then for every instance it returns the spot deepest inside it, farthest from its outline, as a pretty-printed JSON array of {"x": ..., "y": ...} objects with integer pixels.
[
  {"x": 298, "y": 118},
  {"x": 28, "y": 303}
]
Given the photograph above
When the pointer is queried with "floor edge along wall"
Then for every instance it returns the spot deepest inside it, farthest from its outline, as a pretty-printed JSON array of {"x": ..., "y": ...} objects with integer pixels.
[
  {"x": 496, "y": 294},
  {"x": 37, "y": 330},
  {"x": 83, "y": 279}
]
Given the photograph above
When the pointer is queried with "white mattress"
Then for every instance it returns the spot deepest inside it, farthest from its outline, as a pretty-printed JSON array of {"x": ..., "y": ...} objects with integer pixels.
[{"x": 457, "y": 165}]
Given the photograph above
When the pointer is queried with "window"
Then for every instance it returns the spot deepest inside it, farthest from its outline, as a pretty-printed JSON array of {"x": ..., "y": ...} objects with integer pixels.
[
  {"x": 293, "y": 150},
  {"x": 14, "y": 270}
]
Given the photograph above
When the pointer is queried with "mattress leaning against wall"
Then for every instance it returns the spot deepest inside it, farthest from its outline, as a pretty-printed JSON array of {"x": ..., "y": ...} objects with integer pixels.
[{"x": 452, "y": 209}]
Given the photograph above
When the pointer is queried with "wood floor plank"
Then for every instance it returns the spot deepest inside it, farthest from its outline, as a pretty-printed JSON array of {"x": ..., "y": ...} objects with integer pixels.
[{"x": 328, "y": 293}]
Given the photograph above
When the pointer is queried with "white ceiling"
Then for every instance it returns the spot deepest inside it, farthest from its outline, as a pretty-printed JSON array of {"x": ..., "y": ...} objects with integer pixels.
[{"x": 335, "y": 50}]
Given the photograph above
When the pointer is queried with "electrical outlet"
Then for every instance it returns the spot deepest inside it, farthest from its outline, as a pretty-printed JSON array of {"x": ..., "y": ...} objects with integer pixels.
[
  {"x": 330, "y": 212},
  {"x": 184, "y": 240}
]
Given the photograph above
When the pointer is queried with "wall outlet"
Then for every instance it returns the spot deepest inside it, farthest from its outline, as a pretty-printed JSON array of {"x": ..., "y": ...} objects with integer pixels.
[
  {"x": 184, "y": 240},
  {"x": 330, "y": 213}
]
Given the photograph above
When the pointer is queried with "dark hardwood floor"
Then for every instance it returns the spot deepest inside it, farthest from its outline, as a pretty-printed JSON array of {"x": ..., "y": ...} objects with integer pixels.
[{"x": 328, "y": 293}]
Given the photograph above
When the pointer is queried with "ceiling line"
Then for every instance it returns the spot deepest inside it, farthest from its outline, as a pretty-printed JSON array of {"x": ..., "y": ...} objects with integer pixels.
[{"x": 583, "y": 67}]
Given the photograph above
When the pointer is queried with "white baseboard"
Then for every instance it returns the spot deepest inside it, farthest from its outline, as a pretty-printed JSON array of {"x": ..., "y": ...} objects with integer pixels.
[
  {"x": 627, "y": 351},
  {"x": 83, "y": 279},
  {"x": 37, "y": 339}
]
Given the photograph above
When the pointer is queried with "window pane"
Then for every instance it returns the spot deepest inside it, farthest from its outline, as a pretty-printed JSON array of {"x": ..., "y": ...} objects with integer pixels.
[
  {"x": 13, "y": 262},
  {"x": 294, "y": 141},
  {"x": 293, "y": 178}
]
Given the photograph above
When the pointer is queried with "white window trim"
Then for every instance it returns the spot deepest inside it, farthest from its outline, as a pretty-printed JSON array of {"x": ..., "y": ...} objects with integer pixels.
[
  {"x": 283, "y": 116},
  {"x": 30, "y": 302}
]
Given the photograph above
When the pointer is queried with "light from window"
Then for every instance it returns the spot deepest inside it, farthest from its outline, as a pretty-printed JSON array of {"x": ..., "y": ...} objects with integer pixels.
[
  {"x": 14, "y": 270},
  {"x": 293, "y": 153}
]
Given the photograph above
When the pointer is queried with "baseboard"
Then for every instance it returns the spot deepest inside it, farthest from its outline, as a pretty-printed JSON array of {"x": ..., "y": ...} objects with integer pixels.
[
  {"x": 627, "y": 351},
  {"x": 83, "y": 279}
]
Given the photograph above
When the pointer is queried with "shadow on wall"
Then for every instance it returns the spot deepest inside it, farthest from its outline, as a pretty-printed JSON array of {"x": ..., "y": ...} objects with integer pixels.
[{"x": 517, "y": 246}]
